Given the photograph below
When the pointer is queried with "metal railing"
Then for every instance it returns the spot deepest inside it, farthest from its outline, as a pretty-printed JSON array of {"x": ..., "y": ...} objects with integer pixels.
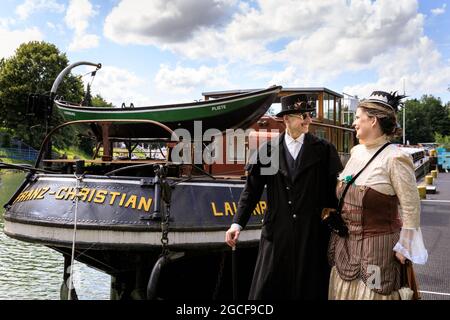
[{"x": 28, "y": 154}]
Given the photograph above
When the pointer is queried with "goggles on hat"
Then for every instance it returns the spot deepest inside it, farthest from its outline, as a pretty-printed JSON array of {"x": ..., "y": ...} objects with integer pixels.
[{"x": 304, "y": 115}]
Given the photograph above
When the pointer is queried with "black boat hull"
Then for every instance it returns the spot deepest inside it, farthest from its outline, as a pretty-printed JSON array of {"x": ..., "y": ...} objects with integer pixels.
[{"x": 118, "y": 213}]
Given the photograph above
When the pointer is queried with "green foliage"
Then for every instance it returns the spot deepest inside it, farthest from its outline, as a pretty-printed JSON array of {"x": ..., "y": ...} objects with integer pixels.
[
  {"x": 73, "y": 153},
  {"x": 87, "y": 101},
  {"x": 6, "y": 136},
  {"x": 6, "y": 140},
  {"x": 443, "y": 141},
  {"x": 424, "y": 118},
  {"x": 33, "y": 69},
  {"x": 86, "y": 145},
  {"x": 99, "y": 102}
]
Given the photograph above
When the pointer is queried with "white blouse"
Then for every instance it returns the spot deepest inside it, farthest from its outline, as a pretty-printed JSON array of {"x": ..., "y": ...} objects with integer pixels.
[{"x": 392, "y": 173}]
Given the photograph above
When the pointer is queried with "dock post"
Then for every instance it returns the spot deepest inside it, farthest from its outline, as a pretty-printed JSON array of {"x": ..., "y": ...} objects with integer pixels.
[
  {"x": 434, "y": 173},
  {"x": 422, "y": 192}
]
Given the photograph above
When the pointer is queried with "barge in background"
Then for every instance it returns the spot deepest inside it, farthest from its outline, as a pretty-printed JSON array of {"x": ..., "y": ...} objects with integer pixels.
[{"x": 420, "y": 159}]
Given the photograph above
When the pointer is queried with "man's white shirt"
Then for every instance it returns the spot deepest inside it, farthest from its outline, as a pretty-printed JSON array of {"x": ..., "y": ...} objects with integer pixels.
[{"x": 294, "y": 145}]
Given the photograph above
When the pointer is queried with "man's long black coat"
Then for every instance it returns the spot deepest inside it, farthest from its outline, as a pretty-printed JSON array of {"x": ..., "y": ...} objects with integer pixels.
[{"x": 292, "y": 261}]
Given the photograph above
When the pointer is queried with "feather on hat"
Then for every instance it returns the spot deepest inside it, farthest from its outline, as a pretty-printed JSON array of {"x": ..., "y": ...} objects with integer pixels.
[{"x": 391, "y": 100}]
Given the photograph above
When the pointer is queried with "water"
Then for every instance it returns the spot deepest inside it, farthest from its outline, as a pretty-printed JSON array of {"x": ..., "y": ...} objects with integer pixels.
[{"x": 30, "y": 271}]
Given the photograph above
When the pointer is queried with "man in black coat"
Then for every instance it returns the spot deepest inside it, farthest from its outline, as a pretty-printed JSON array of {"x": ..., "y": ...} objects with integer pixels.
[{"x": 292, "y": 259}]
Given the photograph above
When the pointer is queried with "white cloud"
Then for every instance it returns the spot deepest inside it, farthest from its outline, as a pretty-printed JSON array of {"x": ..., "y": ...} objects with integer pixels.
[
  {"x": 315, "y": 41},
  {"x": 6, "y": 23},
  {"x": 287, "y": 77},
  {"x": 293, "y": 76},
  {"x": 350, "y": 37},
  {"x": 118, "y": 85},
  {"x": 11, "y": 39},
  {"x": 438, "y": 11},
  {"x": 326, "y": 33},
  {"x": 84, "y": 41},
  {"x": 163, "y": 21},
  {"x": 420, "y": 67},
  {"x": 77, "y": 18},
  {"x": 27, "y": 8},
  {"x": 182, "y": 80}
]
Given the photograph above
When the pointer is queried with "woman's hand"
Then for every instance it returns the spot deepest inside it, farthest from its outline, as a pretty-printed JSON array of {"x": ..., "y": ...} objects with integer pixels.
[{"x": 401, "y": 258}]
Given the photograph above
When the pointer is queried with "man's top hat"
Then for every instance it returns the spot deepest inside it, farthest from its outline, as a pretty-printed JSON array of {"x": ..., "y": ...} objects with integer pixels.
[
  {"x": 390, "y": 101},
  {"x": 295, "y": 103}
]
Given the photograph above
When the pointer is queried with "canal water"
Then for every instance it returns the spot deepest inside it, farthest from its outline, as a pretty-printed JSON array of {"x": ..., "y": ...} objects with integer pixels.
[{"x": 33, "y": 272}]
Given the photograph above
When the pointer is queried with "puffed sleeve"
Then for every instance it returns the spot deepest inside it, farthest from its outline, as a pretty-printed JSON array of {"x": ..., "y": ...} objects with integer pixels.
[{"x": 403, "y": 179}]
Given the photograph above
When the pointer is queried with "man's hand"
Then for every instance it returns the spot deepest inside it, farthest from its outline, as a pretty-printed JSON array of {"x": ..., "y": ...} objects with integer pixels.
[{"x": 232, "y": 235}]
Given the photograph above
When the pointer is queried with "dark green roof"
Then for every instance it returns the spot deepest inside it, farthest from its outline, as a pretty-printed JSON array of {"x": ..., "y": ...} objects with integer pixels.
[{"x": 216, "y": 94}]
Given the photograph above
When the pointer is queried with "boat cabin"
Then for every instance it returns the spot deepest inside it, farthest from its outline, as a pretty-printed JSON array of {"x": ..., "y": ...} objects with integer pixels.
[{"x": 332, "y": 122}]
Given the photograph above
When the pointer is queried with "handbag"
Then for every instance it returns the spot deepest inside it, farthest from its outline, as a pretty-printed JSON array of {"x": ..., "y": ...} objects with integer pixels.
[
  {"x": 333, "y": 217},
  {"x": 409, "y": 289}
]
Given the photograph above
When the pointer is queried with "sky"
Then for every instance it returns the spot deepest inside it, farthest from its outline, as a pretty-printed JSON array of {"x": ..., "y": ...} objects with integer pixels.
[{"x": 170, "y": 51}]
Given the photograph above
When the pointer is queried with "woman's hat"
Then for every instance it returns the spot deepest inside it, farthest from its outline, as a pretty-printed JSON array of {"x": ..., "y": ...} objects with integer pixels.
[
  {"x": 295, "y": 103},
  {"x": 389, "y": 100}
]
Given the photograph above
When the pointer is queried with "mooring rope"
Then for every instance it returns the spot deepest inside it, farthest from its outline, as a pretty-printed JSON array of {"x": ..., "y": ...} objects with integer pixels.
[{"x": 74, "y": 238}]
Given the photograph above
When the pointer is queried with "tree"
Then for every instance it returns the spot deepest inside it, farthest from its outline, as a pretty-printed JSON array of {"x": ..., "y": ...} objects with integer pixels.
[
  {"x": 424, "y": 118},
  {"x": 99, "y": 102},
  {"x": 443, "y": 141},
  {"x": 87, "y": 101},
  {"x": 32, "y": 70}
]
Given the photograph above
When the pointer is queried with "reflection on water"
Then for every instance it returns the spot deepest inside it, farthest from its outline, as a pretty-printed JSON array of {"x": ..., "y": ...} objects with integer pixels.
[{"x": 30, "y": 271}]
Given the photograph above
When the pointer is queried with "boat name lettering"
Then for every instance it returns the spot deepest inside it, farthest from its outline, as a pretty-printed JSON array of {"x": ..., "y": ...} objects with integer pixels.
[
  {"x": 98, "y": 196},
  {"x": 217, "y": 108},
  {"x": 230, "y": 208},
  {"x": 69, "y": 113}
]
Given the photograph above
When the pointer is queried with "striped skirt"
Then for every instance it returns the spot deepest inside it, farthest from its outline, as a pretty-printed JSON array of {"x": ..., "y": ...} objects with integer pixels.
[
  {"x": 364, "y": 263},
  {"x": 354, "y": 290}
]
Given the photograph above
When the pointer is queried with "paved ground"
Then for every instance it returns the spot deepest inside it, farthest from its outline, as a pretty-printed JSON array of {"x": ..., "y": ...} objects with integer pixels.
[{"x": 434, "y": 277}]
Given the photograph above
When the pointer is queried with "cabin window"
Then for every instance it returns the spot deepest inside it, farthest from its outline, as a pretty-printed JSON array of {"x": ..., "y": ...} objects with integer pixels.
[
  {"x": 338, "y": 109},
  {"x": 321, "y": 133},
  {"x": 325, "y": 106},
  {"x": 317, "y": 107},
  {"x": 328, "y": 106},
  {"x": 274, "y": 109},
  {"x": 347, "y": 115},
  {"x": 346, "y": 141}
]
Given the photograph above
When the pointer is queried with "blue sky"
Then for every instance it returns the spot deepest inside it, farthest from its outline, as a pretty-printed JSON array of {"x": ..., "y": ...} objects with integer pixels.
[{"x": 167, "y": 51}]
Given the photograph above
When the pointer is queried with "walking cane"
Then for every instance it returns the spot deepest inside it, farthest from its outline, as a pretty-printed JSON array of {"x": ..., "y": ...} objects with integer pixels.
[{"x": 234, "y": 272}]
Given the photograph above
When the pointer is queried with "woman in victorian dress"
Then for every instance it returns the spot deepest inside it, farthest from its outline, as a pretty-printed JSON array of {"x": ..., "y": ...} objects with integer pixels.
[{"x": 381, "y": 210}]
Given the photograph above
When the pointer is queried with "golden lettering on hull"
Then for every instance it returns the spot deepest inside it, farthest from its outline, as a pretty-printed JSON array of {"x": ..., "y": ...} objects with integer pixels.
[
  {"x": 100, "y": 196},
  {"x": 88, "y": 195},
  {"x": 35, "y": 194},
  {"x": 230, "y": 209}
]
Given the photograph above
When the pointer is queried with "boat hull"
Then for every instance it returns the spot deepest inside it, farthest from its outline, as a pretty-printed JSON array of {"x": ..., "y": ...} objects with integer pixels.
[{"x": 115, "y": 213}]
